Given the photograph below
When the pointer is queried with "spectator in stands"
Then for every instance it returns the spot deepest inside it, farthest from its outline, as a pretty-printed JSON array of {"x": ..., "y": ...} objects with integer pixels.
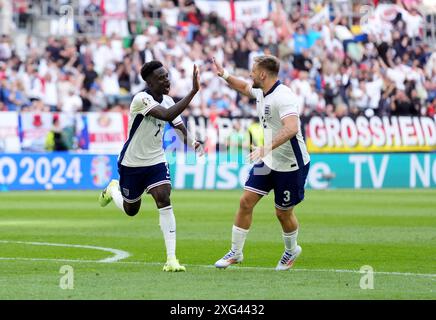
[
  {"x": 402, "y": 105},
  {"x": 51, "y": 92},
  {"x": 22, "y": 8},
  {"x": 91, "y": 11},
  {"x": 430, "y": 111},
  {"x": 13, "y": 97},
  {"x": 97, "y": 98},
  {"x": 302, "y": 61},
  {"x": 247, "y": 109},
  {"x": 37, "y": 105},
  {"x": 240, "y": 54},
  {"x": 55, "y": 140},
  {"x": 2, "y": 70},
  {"x": 6, "y": 16},
  {"x": 218, "y": 102},
  {"x": 90, "y": 75},
  {"x": 5, "y": 48},
  {"x": 110, "y": 85},
  {"x": 72, "y": 102}
]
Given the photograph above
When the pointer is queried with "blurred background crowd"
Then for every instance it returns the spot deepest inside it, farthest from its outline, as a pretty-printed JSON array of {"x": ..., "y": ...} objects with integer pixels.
[{"x": 79, "y": 56}]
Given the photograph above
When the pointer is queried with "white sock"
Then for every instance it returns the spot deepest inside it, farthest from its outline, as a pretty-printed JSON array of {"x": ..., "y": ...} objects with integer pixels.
[
  {"x": 117, "y": 197},
  {"x": 167, "y": 222},
  {"x": 290, "y": 240},
  {"x": 238, "y": 239}
]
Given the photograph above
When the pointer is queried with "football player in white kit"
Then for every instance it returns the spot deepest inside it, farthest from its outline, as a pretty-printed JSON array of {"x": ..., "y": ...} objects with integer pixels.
[
  {"x": 282, "y": 164},
  {"x": 142, "y": 164}
]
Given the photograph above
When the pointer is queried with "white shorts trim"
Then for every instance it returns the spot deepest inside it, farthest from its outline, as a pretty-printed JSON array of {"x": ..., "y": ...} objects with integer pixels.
[
  {"x": 132, "y": 201},
  {"x": 283, "y": 208},
  {"x": 261, "y": 192},
  {"x": 157, "y": 184}
]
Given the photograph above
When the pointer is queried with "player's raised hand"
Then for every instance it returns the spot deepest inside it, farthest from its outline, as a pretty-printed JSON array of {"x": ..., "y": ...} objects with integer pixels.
[
  {"x": 219, "y": 70},
  {"x": 196, "y": 79}
]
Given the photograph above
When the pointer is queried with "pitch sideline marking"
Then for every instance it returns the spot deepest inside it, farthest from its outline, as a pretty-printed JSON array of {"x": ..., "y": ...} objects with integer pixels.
[
  {"x": 406, "y": 274},
  {"x": 118, "y": 254}
]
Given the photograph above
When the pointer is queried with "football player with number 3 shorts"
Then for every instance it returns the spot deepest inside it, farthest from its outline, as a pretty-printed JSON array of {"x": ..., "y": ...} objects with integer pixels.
[{"x": 282, "y": 164}]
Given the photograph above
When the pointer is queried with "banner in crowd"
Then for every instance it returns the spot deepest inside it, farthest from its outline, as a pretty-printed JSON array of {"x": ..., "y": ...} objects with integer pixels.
[
  {"x": 67, "y": 171},
  {"x": 107, "y": 131},
  {"x": 94, "y": 131},
  {"x": 237, "y": 11},
  {"x": 9, "y": 139},
  {"x": 114, "y": 17},
  {"x": 34, "y": 128},
  {"x": 375, "y": 134}
]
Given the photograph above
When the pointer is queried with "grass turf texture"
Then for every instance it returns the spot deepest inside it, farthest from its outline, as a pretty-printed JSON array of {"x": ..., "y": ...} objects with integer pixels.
[{"x": 394, "y": 231}]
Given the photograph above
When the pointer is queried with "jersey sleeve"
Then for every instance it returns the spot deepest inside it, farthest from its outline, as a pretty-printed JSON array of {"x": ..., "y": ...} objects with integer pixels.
[
  {"x": 255, "y": 93},
  {"x": 288, "y": 106},
  {"x": 142, "y": 103}
]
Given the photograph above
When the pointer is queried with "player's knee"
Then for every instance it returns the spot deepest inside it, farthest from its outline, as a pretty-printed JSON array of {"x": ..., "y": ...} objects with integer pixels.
[
  {"x": 131, "y": 210},
  {"x": 245, "y": 203},
  {"x": 280, "y": 215},
  {"x": 284, "y": 214}
]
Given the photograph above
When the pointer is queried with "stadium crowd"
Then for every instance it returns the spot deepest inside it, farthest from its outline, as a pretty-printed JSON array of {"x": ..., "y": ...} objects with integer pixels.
[{"x": 334, "y": 67}]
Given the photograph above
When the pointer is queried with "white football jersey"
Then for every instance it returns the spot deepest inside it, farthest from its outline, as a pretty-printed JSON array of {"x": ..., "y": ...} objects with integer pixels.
[
  {"x": 277, "y": 104},
  {"x": 143, "y": 147}
]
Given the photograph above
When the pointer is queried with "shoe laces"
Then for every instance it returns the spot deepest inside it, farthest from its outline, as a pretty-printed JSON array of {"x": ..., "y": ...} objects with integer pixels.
[
  {"x": 285, "y": 258},
  {"x": 229, "y": 255}
]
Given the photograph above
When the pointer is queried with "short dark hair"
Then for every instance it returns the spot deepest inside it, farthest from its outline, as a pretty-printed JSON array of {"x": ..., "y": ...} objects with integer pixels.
[
  {"x": 269, "y": 63},
  {"x": 149, "y": 67}
]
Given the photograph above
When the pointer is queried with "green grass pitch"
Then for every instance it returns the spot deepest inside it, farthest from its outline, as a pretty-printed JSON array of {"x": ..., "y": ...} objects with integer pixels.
[{"x": 393, "y": 231}]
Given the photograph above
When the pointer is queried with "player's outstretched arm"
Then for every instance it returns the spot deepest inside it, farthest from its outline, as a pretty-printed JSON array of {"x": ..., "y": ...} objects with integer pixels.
[
  {"x": 239, "y": 85},
  {"x": 170, "y": 114}
]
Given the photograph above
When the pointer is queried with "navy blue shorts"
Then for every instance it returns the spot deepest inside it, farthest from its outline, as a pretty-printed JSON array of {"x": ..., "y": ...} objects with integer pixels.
[
  {"x": 135, "y": 180},
  {"x": 288, "y": 186}
]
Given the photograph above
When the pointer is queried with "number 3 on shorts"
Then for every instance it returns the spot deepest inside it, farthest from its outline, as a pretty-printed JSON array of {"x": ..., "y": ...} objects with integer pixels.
[{"x": 287, "y": 195}]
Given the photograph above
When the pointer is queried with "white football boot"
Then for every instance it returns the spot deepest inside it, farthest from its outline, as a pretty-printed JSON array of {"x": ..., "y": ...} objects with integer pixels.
[
  {"x": 288, "y": 259},
  {"x": 230, "y": 258}
]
